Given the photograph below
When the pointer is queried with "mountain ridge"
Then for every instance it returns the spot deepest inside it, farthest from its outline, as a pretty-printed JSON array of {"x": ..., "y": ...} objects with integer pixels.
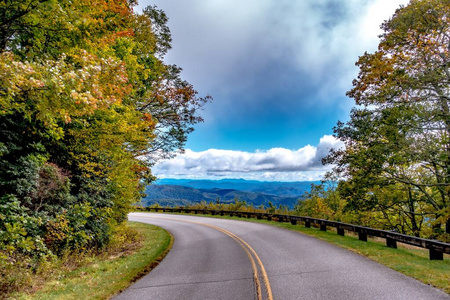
[{"x": 176, "y": 192}]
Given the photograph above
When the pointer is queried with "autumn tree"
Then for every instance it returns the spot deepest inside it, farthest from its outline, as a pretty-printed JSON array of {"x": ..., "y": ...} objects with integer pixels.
[
  {"x": 87, "y": 105},
  {"x": 397, "y": 139}
]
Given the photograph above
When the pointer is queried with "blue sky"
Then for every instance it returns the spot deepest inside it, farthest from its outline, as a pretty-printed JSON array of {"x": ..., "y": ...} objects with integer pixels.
[{"x": 278, "y": 71}]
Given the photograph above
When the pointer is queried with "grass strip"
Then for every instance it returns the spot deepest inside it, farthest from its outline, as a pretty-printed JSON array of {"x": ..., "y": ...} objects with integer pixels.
[
  {"x": 107, "y": 277},
  {"x": 408, "y": 260}
]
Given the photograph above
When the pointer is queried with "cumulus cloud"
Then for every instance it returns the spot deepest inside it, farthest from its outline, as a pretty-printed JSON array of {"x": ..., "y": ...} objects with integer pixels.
[{"x": 274, "y": 164}]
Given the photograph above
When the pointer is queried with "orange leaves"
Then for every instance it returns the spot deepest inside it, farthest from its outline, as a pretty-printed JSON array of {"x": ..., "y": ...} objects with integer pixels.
[
  {"x": 147, "y": 117},
  {"x": 138, "y": 168},
  {"x": 125, "y": 33},
  {"x": 413, "y": 55},
  {"x": 377, "y": 73},
  {"x": 119, "y": 7}
]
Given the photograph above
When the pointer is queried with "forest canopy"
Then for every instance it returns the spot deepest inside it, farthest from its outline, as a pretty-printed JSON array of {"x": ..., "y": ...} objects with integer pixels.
[{"x": 87, "y": 106}]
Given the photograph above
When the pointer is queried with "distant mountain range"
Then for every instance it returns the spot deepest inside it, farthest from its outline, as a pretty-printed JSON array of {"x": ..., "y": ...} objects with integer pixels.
[{"x": 175, "y": 192}]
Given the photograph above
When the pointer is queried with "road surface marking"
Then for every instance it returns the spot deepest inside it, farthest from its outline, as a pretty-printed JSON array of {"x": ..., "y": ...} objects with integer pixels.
[{"x": 248, "y": 250}]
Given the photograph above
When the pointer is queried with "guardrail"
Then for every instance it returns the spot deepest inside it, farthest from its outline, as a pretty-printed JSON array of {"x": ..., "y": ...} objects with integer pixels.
[{"x": 436, "y": 248}]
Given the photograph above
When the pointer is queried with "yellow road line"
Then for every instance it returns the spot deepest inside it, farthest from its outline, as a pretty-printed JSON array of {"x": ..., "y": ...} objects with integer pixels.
[
  {"x": 252, "y": 261},
  {"x": 248, "y": 250},
  {"x": 263, "y": 271}
]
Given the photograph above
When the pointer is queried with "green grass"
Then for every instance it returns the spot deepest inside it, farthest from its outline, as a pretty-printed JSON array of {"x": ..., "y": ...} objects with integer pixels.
[
  {"x": 411, "y": 261},
  {"x": 104, "y": 278}
]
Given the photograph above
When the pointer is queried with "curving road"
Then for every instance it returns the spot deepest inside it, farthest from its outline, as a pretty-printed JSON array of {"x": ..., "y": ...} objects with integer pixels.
[{"x": 227, "y": 259}]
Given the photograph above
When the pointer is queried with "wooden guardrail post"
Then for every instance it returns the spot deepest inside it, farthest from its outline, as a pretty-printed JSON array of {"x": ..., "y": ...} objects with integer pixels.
[
  {"x": 323, "y": 226},
  {"x": 293, "y": 221},
  {"x": 362, "y": 235},
  {"x": 340, "y": 230},
  {"x": 307, "y": 223},
  {"x": 391, "y": 243},
  {"x": 436, "y": 254}
]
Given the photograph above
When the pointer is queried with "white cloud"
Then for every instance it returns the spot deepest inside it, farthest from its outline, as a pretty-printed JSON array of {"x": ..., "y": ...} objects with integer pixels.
[{"x": 274, "y": 164}]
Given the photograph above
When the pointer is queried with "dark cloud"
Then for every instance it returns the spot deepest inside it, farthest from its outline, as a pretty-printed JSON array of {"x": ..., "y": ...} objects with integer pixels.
[{"x": 263, "y": 53}]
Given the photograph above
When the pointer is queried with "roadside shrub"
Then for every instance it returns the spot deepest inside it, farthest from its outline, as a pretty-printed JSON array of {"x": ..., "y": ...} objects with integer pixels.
[{"x": 14, "y": 229}]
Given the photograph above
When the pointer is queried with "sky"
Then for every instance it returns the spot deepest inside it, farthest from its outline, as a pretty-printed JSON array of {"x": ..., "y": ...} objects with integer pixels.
[{"x": 278, "y": 71}]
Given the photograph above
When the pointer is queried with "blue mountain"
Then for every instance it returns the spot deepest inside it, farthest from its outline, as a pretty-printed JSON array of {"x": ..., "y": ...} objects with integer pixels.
[
  {"x": 277, "y": 188},
  {"x": 175, "y": 192}
]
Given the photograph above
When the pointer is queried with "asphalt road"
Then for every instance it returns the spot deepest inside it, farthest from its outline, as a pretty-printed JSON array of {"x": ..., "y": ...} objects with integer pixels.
[{"x": 227, "y": 259}]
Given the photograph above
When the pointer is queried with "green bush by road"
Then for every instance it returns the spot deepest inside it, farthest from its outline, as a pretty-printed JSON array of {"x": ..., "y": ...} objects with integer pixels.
[{"x": 112, "y": 272}]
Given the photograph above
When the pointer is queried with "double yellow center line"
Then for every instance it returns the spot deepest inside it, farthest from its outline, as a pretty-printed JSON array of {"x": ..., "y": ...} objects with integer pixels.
[{"x": 255, "y": 261}]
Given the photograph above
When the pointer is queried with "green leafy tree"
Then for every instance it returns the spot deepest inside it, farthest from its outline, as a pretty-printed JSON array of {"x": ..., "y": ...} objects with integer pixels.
[
  {"x": 398, "y": 135},
  {"x": 87, "y": 105}
]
